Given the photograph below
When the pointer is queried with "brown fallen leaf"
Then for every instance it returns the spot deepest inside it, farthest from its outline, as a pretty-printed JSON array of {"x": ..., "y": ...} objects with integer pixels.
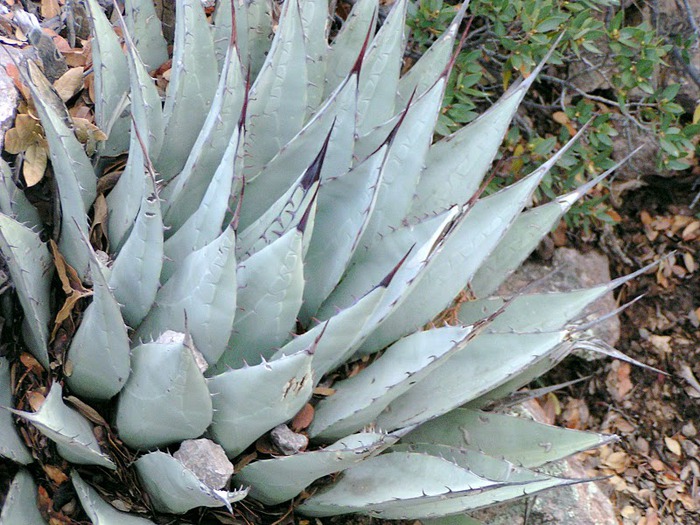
[
  {"x": 55, "y": 474},
  {"x": 34, "y": 167},
  {"x": 303, "y": 418},
  {"x": 50, "y": 8},
  {"x": 69, "y": 83},
  {"x": 673, "y": 445},
  {"x": 71, "y": 284}
]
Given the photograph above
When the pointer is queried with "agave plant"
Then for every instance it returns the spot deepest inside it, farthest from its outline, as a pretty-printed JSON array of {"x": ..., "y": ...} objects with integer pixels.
[{"x": 281, "y": 234}]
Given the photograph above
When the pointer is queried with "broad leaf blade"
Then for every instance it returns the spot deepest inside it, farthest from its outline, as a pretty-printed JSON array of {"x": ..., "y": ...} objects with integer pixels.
[
  {"x": 11, "y": 445},
  {"x": 20, "y": 507},
  {"x": 146, "y": 29},
  {"x": 239, "y": 418}
]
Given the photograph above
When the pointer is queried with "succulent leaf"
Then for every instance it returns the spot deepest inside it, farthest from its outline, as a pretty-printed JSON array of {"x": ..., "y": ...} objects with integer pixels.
[
  {"x": 358, "y": 400},
  {"x": 20, "y": 507},
  {"x": 98, "y": 510},
  {"x": 524, "y": 442},
  {"x": 381, "y": 67},
  {"x": 14, "y": 202},
  {"x": 166, "y": 399},
  {"x": 111, "y": 82},
  {"x": 200, "y": 298},
  {"x": 315, "y": 20},
  {"x": 11, "y": 444},
  {"x": 184, "y": 194},
  {"x": 279, "y": 479},
  {"x": 135, "y": 275},
  {"x": 175, "y": 489},
  {"x": 239, "y": 419},
  {"x": 270, "y": 288},
  {"x": 31, "y": 269},
  {"x": 71, "y": 166},
  {"x": 485, "y": 363},
  {"x": 72, "y": 433},
  {"x": 97, "y": 363},
  {"x": 143, "y": 24},
  {"x": 192, "y": 86},
  {"x": 278, "y": 98}
]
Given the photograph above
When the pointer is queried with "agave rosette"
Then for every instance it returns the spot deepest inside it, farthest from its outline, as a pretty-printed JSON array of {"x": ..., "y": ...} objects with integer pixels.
[{"x": 285, "y": 207}]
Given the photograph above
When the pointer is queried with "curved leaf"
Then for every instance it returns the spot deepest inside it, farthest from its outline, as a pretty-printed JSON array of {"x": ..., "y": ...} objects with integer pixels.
[
  {"x": 20, "y": 506},
  {"x": 11, "y": 445}
]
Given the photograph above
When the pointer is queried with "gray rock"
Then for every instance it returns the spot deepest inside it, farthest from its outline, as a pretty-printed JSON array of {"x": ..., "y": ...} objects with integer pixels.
[
  {"x": 287, "y": 441},
  {"x": 206, "y": 460},
  {"x": 9, "y": 98},
  {"x": 573, "y": 270}
]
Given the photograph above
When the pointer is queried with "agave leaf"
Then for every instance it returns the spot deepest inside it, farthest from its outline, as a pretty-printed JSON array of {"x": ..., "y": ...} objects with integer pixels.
[
  {"x": 358, "y": 400},
  {"x": 98, "y": 510},
  {"x": 11, "y": 444},
  {"x": 278, "y": 99},
  {"x": 111, "y": 82},
  {"x": 145, "y": 27},
  {"x": 14, "y": 202},
  {"x": 286, "y": 213},
  {"x": 123, "y": 203},
  {"x": 408, "y": 147},
  {"x": 456, "y": 165},
  {"x": 336, "y": 115},
  {"x": 173, "y": 488},
  {"x": 511, "y": 482},
  {"x": 347, "y": 45},
  {"x": 370, "y": 266},
  {"x": 334, "y": 338},
  {"x": 135, "y": 275},
  {"x": 166, "y": 398},
  {"x": 455, "y": 519},
  {"x": 72, "y": 169},
  {"x": 280, "y": 479},
  {"x": 315, "y": 21},
  {"x": 519, "y": 440},
  {"x": 270, "y": 288},
  {"x": 468, "y": 244},
  {"x": 184, "y": 195},
  {"x": 201, "y": 293},
  {"x": 345, "y": 204},
  {"x": 404, "y": 476},
  {"x": 31, "y": 269},
  {"x": 432, "y": 65},
  {"x": 239, "y": 418},
  {"x": 97, "y": 362},
  {"x": 20, "y": 506},
  {"x": 72, "y": 433},
  {"x": 192, "y": 86},
  {"x": 381, "y": 69},
  {"x": 260, "y": 32},
  {"x": 487, "y": 362},
  {"x": 205, "y": 224}
]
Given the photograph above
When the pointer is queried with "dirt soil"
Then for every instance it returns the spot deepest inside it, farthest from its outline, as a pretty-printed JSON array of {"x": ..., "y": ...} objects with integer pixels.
[{"x": 654, "y": 469}]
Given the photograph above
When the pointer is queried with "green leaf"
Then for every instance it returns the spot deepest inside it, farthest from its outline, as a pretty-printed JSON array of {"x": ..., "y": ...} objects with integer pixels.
[
  {"x": 98, "y": 510},
  {"x": 349, "y": 41},
  {"x": 72, "y": 433},
  {"x": 270, "y": 288},
  {"x": 239, "y": 418},
  {"x": 31, "y": 269},
  {"x": 71, "y": 167},
  {"x": 173, "y": 488},
  {"x": 192, "y": 86},
  {"x": 20, "y": 506},
  {"x": 14, "y": 203},
  {"x": 316, "y": 25},
  {"x": 135, "y": 276},
  {"x": 11, "y": 445},
  {"x": 184, "y": 195},
  {"x": 97, "y": 363},
  {"x": 358, "y": 400},
  {"x": 379, "y": 78},
  {"x": 520, "y": 440},
  {"x": 145, "y": 27},
  {"x": 278, "y": 98},
  {"x": 200, "y": 298},
  {"x": 280, "y": 479},
  {"x": 111, "y": 82},
  {"x": 166, "y": 399},
  {"x": 488, "y": 361}
]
